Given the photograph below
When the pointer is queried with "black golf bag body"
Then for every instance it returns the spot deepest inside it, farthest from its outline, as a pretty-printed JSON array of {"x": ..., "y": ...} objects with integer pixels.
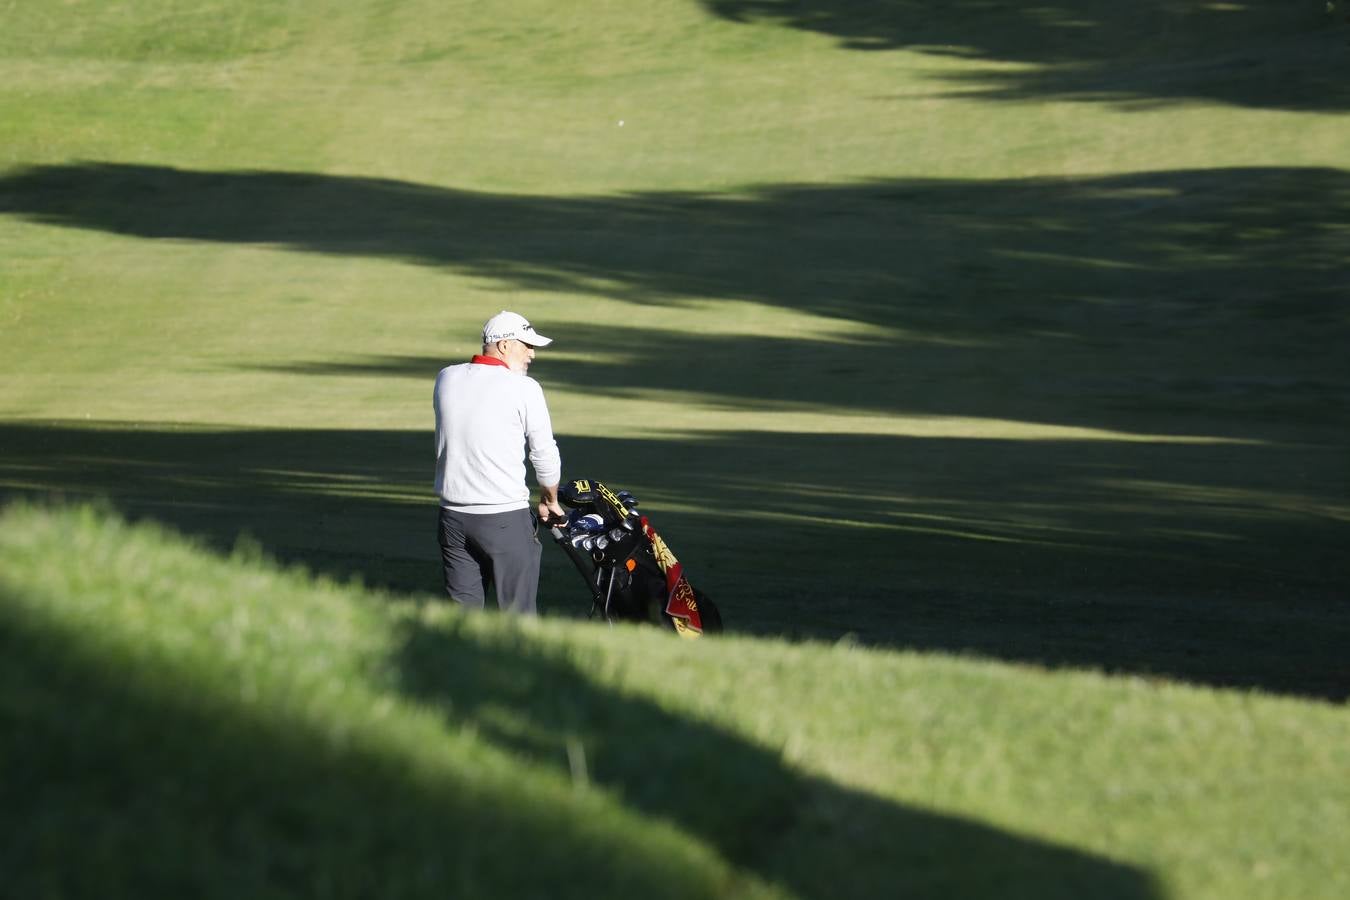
[{"x": 631, "y": 572}]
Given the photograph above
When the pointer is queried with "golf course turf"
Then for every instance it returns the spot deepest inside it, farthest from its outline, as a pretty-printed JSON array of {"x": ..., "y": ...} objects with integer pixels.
[{"x": 984, "y": 361}]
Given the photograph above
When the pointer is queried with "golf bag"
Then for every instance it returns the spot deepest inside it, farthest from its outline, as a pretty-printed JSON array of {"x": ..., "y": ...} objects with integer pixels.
[{"x": 631, "y": 573}]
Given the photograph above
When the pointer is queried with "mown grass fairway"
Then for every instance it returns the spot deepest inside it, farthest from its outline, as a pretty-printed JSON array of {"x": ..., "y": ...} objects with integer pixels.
[{"x": 1008, "y": 333}]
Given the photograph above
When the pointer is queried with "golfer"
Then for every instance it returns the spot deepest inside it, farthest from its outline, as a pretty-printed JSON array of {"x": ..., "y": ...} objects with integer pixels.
[{"x": 488, "y": 413}]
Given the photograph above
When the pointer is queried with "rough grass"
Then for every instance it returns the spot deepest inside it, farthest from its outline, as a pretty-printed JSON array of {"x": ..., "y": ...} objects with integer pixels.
[{"x": 178, "y": 721}]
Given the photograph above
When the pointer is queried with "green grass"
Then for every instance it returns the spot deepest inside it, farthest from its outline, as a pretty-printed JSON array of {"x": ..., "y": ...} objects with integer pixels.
[
  {"x": 1003, "y": 334},
  {"x": 176, "y": 721}
]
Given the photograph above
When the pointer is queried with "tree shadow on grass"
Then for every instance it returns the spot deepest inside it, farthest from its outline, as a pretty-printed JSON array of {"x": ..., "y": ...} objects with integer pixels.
[
  {"x": 941, "y": 259},
  {"x": 1186, "y": 302},
  {"x": 1268, "y": 55},
  {"x": 1111, "y": 383},
  {"x": 1220, "y": 563}
]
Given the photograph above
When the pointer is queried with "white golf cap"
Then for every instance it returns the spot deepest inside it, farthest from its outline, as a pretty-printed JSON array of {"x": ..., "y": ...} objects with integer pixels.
[{"x": 507, "y": 326}]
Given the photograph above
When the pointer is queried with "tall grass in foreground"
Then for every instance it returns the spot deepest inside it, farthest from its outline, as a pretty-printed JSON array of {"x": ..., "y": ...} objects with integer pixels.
[{"x": 174, "y": 722}]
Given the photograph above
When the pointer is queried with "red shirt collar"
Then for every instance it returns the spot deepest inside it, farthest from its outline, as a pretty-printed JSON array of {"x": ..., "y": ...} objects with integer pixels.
[{"x": 488, "y": 361}]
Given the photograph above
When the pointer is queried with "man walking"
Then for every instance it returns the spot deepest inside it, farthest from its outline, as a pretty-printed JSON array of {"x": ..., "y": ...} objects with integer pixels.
[{"x": 488, "y": 412}]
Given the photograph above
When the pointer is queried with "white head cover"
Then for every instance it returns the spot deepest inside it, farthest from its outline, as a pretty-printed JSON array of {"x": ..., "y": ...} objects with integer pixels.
[{"x": 507, "y": 326}]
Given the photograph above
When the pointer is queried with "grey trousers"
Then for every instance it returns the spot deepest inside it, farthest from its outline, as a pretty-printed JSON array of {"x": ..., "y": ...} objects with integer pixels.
[{"x": 501, "y": 549}]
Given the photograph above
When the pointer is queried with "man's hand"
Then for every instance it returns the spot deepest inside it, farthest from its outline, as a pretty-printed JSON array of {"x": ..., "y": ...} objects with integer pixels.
[
  {"x": 549, "y": 510},
  {"x": 551, "y": 513}
]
